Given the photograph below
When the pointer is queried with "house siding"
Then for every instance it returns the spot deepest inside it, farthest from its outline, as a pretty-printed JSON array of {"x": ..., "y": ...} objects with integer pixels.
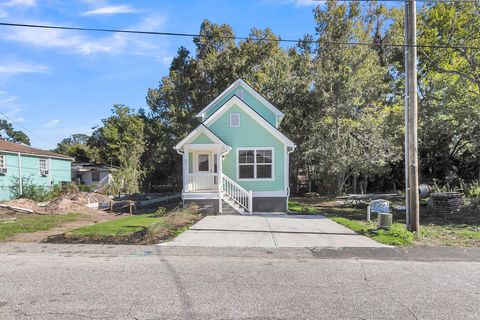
[
  {"x": 59, "y": 171},
  {"x": 253, "y": 102},
  {"x": 249, "y": 134},
  {"x": 202, "y": 139}
]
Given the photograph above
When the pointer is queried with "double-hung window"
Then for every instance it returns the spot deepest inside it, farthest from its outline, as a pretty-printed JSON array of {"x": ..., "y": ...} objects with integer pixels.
[
  {"x": 255, "y": 163},
  {"x": 43, "y": 165},
  {"x": 3, "y": 161}
]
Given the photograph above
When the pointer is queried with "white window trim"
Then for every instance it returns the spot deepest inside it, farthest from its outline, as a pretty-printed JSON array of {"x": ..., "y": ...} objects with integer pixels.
[
  {"x": 255, "y": 164},
  {"x": 4, "y": 166},
  {"x": 234, "y": 114},
  {"x": 40, "y": 166}
]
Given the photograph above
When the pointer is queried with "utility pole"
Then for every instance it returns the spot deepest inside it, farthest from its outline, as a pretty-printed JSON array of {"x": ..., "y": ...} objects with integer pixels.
[{"x": 411, "y": 117}]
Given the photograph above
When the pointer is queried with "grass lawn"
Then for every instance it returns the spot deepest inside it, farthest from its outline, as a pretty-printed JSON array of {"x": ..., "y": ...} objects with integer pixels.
[
  {"x": 118, "y": 227},
  {"x": 431, "y": 232},
  {"x": 139, "y": 229},
  {"x": 28, "y": 223}
]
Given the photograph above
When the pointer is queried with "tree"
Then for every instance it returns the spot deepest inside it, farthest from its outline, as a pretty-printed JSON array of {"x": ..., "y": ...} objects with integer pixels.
[
  {"x": 8, "y": 133},
  {"x": 348, "y": 84},
  {"x": 120, "y": 142},
  {"x": 76, "y": 146}
]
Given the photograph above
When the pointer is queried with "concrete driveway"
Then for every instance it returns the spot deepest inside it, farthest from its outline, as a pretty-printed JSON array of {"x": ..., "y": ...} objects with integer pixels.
[{"x": 270, "y": 231}]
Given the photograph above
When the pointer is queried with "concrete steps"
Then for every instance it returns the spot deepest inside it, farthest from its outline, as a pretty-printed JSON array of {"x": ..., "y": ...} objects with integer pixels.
[{"x": 231, "y": 207}]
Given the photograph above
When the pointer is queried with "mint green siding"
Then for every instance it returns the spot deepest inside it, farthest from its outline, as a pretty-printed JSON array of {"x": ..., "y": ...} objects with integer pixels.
[
  {"x": 202, "y": 139},
  {"x": 253, "y": 102},
  {"x": 249, "y": 134},
  {"x": 59, "y": 171},
  {"x": 190, "y": 162}
]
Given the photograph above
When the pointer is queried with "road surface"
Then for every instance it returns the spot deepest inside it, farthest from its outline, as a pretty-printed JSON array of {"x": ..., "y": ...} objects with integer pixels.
[{"x": 40, "y": 281}]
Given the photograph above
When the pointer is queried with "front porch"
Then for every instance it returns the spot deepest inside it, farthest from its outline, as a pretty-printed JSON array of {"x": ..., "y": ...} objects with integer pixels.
[
  {"x": 205, "y": 183},
  {"x": 203, "y": 179}
]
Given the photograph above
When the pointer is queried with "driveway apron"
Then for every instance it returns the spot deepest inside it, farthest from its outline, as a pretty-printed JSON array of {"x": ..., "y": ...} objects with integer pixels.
[{"x": 270, "y": 231}]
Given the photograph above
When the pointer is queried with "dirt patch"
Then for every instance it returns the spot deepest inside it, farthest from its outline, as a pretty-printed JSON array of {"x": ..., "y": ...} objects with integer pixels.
[
  {"x": 134, "y": 238},
  {"x": 74, "y": 202}
]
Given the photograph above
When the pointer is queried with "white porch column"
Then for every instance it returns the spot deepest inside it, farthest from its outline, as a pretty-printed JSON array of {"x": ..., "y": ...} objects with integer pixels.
[
  {"x": 219, "y": 179},
  {"x": 185, "y": 169}
]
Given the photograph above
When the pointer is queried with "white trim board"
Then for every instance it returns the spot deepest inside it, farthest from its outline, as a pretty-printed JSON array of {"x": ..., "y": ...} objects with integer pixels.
[
  {"x": 199, "y": 195},
  {"x": 198, "y": 131},
  {"x": 250, "y": 90},
  {"x": 242, "y": 105},
  {"x": 268, "y": 194}
]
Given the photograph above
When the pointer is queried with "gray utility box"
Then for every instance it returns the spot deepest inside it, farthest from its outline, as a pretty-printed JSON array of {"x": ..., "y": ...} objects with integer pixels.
[
  {"x": 378, "y": 206},
  {"x": 384, "y": 220}
]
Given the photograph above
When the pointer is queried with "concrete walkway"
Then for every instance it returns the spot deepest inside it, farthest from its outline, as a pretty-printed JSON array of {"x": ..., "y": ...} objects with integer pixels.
[{"x": 270, "y": 231}]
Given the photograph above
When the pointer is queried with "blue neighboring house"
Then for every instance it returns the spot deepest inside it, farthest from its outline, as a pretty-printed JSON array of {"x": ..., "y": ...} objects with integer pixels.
[{"x": 40, "y": 167}]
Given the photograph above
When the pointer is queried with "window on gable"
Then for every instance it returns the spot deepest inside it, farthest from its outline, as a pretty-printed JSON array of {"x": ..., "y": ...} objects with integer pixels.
[
  {"x": 234, "y": 120},
  {"x": 255, "y": 163}
]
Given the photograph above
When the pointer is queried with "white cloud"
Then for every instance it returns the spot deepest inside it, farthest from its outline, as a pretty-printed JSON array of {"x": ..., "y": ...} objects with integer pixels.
[
  {"x": 16, "y": 67},
  {"x": 23, "y": 3},
  {"x": 52, "y": 123},
  {"x": 167, "y": 60},
  {"x": 110, "y": 10},
  {"x": 79, "y": 43},
  {"x": 306, "y": 3},
  {"x": 10, "y": 107}
]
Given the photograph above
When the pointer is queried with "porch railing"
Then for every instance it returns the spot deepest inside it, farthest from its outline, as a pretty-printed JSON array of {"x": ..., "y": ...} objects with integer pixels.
[
  {"x": 237, "y": 193},
  {"x": 202, "y": 181}
]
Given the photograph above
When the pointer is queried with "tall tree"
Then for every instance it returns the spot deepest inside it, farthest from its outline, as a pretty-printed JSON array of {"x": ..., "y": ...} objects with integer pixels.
[
  {"x": 8, "y": 133},
  {"x": 121, "y": 141},
  {"x": 76, "y": 146}
]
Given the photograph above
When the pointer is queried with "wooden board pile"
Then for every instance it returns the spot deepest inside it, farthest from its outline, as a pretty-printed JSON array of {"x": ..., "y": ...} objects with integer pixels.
[{"x": 446, "y": 203}]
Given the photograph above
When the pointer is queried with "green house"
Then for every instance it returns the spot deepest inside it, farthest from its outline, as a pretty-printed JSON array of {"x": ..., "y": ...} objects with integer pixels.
[
  {"x": 23, "y": 164},
  {"x": 237, "y": 160}
]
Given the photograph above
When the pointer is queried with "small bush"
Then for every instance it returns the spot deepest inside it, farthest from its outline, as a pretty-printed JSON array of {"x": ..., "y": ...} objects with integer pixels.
[
  {"x": 472, "y": 190},
  {"x": 84, "y": 188},
  {"x": 32, "y": 191},
  {"x": 160, "y": 212}
]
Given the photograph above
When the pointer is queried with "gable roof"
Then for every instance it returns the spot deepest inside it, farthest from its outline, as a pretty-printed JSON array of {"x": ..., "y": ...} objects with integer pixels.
[
  {"x": 21, "y": 148},
  {"x": 250, "y": 90},
  {"x": 198, "y": 131},
  {"x": 234, "y": 100}
]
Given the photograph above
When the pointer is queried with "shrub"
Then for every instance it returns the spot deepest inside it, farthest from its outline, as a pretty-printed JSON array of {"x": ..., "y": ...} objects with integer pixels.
[
  {"x": 33, "y": 191},
  {"x": 472, "y": 190},
  {"x": 160, "y": 212}
]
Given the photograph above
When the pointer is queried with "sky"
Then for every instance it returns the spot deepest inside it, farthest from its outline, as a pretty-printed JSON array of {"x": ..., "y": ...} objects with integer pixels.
[{"x": 55, "y": 83}]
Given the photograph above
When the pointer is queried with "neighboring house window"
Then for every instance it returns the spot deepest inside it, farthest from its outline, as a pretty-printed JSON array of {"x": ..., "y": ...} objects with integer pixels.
[
  {"x": 43, "y": 165},
  {"x": 234, "y": 120},
  {"x": 3, "y": 164},
  {"x": 95, "y": 176},
  {"x": 255, "y": 163},
  {"x": 3, "y": 161}
]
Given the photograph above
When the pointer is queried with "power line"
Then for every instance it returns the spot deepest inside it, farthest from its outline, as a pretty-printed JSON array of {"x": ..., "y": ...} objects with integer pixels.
[
  {"x": 433, "y": 1},
  {"x": 192, "y": 35},
  {"x": 25, "y": 128}
]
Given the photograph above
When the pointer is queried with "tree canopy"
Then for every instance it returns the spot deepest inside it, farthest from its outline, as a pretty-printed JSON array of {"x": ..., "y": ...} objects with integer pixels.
[{"x": 343, "y": 103}]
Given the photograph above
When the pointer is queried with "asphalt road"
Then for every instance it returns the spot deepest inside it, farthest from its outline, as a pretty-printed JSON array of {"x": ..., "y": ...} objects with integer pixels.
[{"x": 40, "y": 281}]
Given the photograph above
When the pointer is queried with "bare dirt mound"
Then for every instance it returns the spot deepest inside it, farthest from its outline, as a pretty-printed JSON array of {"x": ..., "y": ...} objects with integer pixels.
[
  {"x": 24, "y": 203},
  {"x": 74, "y": 202}
]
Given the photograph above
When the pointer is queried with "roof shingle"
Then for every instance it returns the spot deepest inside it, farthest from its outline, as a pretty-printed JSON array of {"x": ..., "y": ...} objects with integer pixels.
[{"x": 15, "y": 147}]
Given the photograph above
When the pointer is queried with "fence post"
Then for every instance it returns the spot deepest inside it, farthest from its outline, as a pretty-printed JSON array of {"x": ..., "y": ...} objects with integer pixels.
[{"x": 250, "y": 201}]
